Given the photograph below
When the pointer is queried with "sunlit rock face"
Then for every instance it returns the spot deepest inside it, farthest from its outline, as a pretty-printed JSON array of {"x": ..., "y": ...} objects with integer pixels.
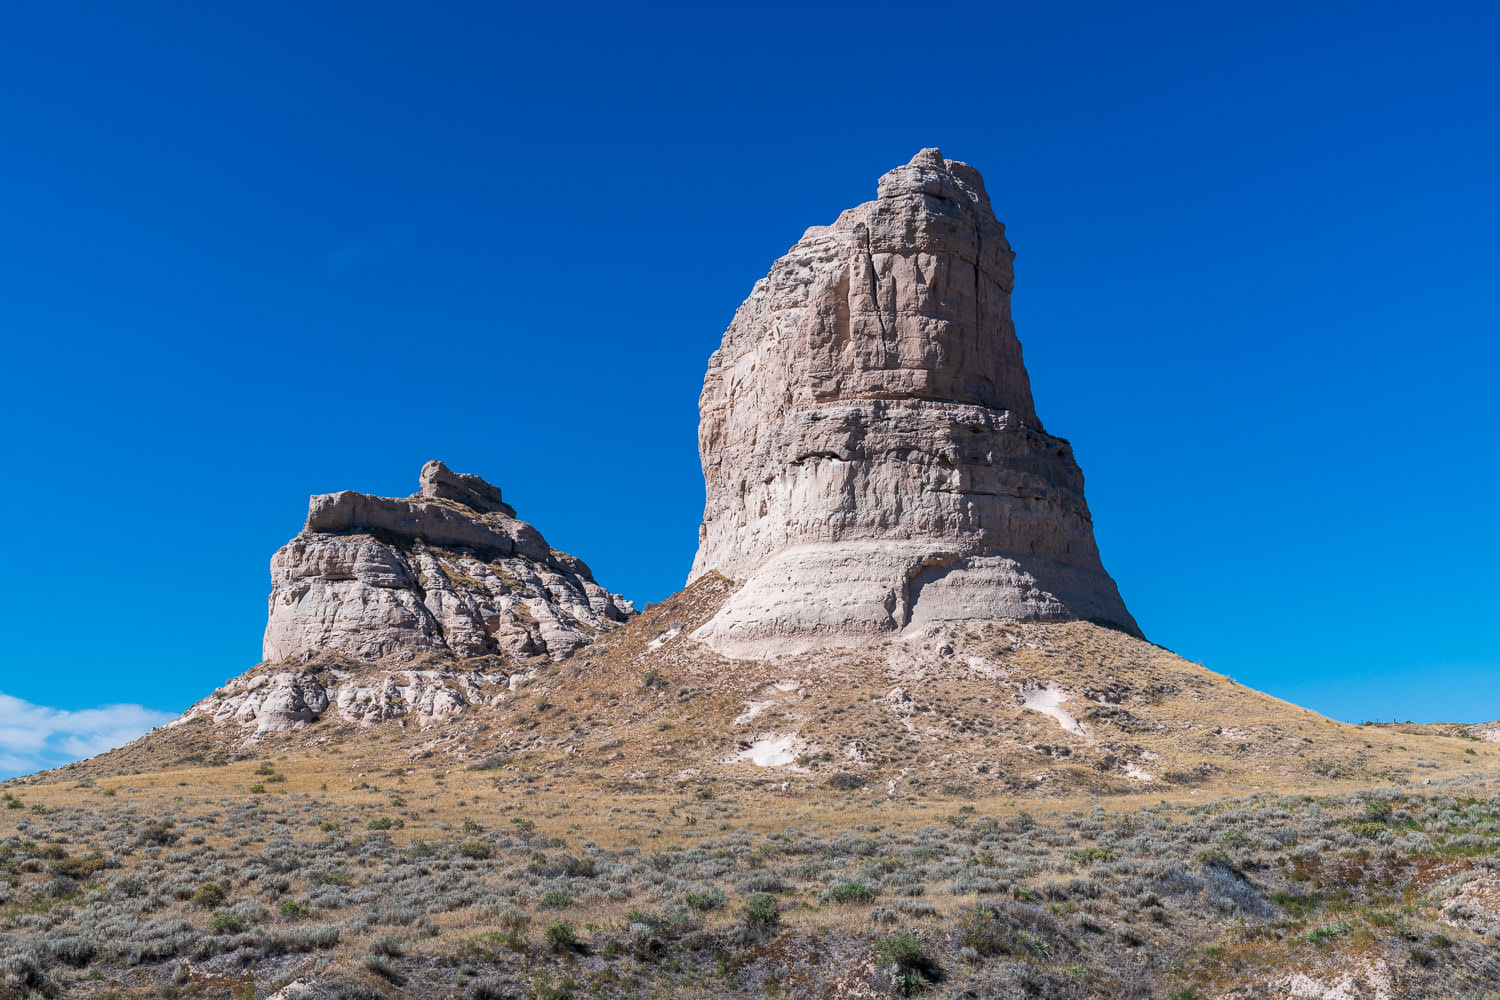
[
  {"x": 449, "y": 569},
  {"x": 871, "y": 451}
]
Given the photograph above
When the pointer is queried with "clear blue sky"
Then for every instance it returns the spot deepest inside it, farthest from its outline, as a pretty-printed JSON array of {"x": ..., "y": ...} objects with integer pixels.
[{"x": 253, "y": 251}]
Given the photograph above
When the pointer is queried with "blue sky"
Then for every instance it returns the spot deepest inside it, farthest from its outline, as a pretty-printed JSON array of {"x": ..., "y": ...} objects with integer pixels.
[{"x": 257, "y": 251}]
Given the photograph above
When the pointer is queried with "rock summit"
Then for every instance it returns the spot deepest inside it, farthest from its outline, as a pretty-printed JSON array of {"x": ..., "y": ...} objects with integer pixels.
[
  {"x": 448, "y": 569},
  {"x": 871, "y": 450}
]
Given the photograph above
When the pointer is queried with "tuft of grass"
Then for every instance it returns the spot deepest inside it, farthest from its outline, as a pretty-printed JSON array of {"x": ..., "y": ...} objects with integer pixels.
[{"x": 1327, "y": 932}]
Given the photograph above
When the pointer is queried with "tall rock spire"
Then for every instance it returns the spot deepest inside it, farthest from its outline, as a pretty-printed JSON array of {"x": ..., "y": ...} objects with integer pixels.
[{"x": 872, "y": 455}]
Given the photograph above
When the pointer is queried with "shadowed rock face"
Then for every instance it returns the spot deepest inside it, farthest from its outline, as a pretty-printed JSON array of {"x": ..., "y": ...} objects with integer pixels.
[
  {"x": 872, "y": 454},
  {"x": 449, "y": 569}
]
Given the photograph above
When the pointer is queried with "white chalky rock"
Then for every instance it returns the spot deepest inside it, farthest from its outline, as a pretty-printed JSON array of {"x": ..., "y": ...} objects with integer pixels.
[
  {"x": 872, "y": 455},
  {"x": 449, "y": 569}
]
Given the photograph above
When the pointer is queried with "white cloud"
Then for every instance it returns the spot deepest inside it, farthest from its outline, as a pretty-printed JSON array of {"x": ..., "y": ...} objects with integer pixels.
[{"x": 35, "y": 737}]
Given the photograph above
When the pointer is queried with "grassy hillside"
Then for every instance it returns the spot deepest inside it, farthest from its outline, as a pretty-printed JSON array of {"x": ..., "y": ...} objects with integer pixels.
[{"x": 981, "y": 809}]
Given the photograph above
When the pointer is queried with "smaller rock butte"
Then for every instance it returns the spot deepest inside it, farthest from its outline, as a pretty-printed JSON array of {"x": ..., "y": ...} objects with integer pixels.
[
  {"x": 871, "y": 452},
  {"x": 448, "y": 569}
]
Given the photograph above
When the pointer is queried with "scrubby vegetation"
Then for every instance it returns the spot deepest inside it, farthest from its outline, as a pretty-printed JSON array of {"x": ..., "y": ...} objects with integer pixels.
[
  {"x": 600, "y": 832},
  {"x": 242, "y": 895}
]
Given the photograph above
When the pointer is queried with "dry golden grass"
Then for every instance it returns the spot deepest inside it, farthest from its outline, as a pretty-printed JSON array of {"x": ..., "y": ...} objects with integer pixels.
[
  {"x": 323, "y": 810},
  {"x": 629, "y": 752}
]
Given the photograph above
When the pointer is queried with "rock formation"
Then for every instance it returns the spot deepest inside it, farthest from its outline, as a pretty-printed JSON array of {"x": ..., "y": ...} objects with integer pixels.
[
  {"x": 872, "y": 455},
  {"x": 449, "y": 569},
  {"x": 276, "y": 700}
]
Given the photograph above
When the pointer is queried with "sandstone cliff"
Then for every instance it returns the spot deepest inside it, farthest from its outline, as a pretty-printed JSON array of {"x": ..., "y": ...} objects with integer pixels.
[
  {"x": 449, "y": 569},
  {"x": 872, "y": 454}
]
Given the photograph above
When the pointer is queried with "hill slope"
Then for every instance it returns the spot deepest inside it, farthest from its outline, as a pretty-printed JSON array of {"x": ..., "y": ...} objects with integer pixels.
[{"x": 1036, "y": 709}]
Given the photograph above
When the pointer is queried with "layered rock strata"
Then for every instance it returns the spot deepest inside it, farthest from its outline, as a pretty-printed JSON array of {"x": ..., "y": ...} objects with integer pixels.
[
  {"x": 871, "y": 452},
  {"x": 278, "y": 700},
  {"x": 448, "y": 569}
]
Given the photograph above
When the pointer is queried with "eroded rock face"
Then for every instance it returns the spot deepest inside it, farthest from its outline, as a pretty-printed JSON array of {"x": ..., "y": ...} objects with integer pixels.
[
  {"x": 872, "y": 454},
  {"x": 292, "y": 699},
  {"x": 448, "y": 569}
]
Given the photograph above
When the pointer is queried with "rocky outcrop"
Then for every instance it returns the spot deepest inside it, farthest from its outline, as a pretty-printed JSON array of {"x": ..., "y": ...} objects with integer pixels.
[
  {"x": 448, "y": 569},
  {"x": 277, "y": 700},
  {"x": 872, "y": 455}
]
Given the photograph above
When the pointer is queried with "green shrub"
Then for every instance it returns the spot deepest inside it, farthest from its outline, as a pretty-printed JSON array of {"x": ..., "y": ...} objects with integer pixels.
[
  {"x": 911, "y": 970},
  {"x": 900, "y": 948},
  {"x": 160, "y": 834},
  {"x": 226, "y": 923},
  {"x": 980, "y": 929},
  {"x": 577, "y": 867},
  {"x": 385, "y": 823},
  {"x": 843, "y": 781},
  {"x": 560, "y": 937},
  {"x": 711, "y": 899},
  {"x": 209, "y": 895},
  {"x": 761, "y": 910},
  {"x": 852, "y": 892},
  {"x": 554, "y": 900},
  {"x": 1294, "y": 904},
  {"x": 79, "y": 868},
  {"x": 479, "y": 850}
]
